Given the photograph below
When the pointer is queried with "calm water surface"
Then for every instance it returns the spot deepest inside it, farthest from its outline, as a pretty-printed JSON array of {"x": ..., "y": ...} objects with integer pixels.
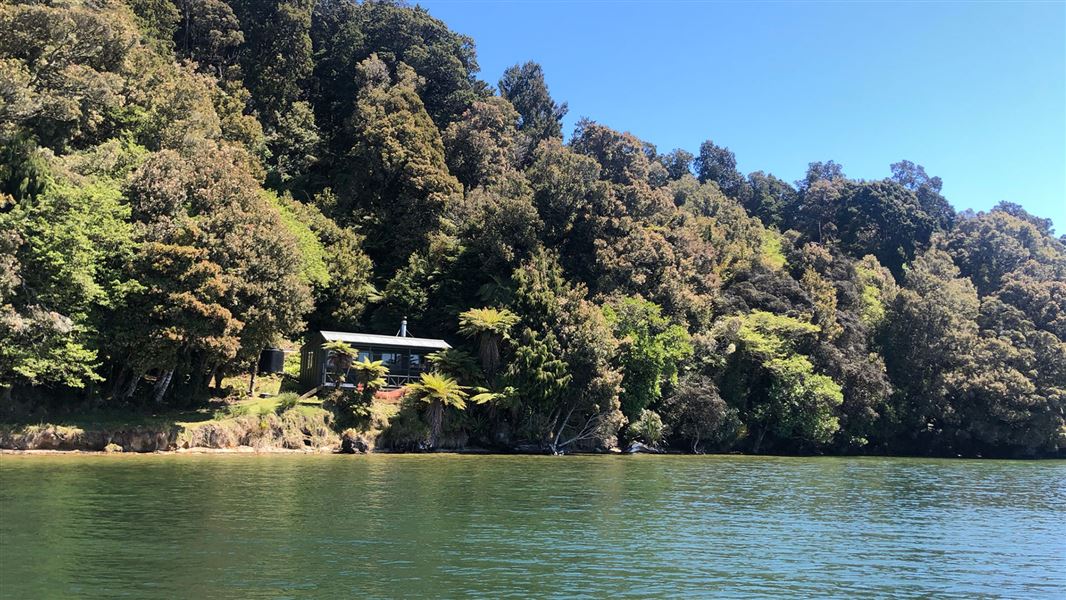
[{"x": 238, "y": 526}]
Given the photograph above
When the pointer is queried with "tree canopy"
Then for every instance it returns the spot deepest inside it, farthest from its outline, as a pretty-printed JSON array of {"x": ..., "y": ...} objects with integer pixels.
[{"x": 186, "y": 182}]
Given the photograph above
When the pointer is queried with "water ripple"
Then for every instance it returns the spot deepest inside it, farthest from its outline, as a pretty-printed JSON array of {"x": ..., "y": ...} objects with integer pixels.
[{"x": 500, "y": 527}]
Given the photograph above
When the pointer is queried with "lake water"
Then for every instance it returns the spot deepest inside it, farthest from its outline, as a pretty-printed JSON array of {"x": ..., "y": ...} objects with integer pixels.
[{"x": 291, "y": 526}]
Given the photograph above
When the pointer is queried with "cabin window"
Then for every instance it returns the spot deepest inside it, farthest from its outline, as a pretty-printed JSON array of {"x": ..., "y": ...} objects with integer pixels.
[{"x": 391, "y": 359}]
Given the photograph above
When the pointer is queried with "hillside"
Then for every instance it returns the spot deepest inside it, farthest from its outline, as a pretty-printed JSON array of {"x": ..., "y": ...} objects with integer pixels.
[{"x": 186, "y": 182}]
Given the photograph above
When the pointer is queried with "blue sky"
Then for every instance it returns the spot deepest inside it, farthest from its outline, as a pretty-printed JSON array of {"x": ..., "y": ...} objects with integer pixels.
[{"x": 975, "y": 92}]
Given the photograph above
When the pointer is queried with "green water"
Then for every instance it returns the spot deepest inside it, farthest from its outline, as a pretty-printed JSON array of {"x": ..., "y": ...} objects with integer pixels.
[{"x": 283, "y": 526}]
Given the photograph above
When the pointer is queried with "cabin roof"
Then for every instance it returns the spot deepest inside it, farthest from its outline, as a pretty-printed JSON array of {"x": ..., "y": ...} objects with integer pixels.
[{"x": 371, "y": 339}]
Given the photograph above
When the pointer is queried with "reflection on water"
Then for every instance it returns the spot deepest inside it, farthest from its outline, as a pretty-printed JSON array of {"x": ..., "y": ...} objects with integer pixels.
[{"x": 285, "y": 526}]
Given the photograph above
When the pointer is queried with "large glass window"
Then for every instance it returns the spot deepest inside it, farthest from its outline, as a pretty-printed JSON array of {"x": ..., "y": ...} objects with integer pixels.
[{"x": 392, "y": 360}]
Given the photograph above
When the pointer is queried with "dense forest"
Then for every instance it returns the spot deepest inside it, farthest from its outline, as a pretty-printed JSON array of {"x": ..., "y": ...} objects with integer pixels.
[{"x": 185, "y": 182}]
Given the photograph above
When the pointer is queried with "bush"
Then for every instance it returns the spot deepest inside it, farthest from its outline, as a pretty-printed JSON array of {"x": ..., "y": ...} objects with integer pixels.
[
  {"x": 697, "y": 416},
  {"x": 647, "y": 429},
  {"x": 287, "y": 402},
  {"x": 406, "y": 430},
  {"x": 350, "y": 406}
]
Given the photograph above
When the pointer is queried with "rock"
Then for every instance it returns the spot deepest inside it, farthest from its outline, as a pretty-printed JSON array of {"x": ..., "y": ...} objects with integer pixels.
[
  {"x": 528, "y": 449},
  {"x": 47, "y": 440},
  {"x": 112, "y": 447},
  {"x": 637, "y": 447},
  {"x": 352, "y": 443}
]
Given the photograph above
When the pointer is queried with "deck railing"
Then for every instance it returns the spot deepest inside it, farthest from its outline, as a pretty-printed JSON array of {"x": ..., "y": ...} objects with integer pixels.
[
  {"x": 392, "y": 381},
  {"x": 398, "y": 381}
]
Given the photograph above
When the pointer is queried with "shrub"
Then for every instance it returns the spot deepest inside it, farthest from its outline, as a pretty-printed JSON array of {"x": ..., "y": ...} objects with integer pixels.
[
  {"x": 648, "y": 428},
  {"x": 697, "y": 416},
  {"x": 406, "y": 429},
  {"x": 350, "y": 406},
  {"x": 287, "y": 402}
]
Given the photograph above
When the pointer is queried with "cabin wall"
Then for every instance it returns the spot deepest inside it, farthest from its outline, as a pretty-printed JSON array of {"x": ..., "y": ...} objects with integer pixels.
[{"x": 312, "y": 363}]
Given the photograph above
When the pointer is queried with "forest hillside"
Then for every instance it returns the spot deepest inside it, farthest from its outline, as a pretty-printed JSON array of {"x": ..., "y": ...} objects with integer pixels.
[{"x": 186, "y": 182}]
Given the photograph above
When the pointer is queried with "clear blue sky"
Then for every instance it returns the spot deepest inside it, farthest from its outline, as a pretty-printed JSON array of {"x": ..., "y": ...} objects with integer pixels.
[{"x": 975, "y": 92}]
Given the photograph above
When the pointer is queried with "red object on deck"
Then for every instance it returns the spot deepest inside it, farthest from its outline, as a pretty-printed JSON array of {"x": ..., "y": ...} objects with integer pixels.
[{"x": 389, "y": 395}]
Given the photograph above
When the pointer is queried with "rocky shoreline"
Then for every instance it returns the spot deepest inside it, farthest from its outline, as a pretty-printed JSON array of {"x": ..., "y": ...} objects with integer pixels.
[{"x": 58, "y": 440}]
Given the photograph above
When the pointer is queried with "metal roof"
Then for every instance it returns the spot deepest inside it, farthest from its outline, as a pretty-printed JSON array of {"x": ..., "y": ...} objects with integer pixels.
[{"x": 371, "y": 339}]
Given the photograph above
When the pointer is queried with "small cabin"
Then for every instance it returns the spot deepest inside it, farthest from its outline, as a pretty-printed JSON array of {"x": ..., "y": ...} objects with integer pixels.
[{"x": 405, "y": 357}]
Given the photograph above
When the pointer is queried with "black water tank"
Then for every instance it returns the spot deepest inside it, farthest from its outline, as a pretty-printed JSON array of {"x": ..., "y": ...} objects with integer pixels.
[{"x": 272, "y": 360}]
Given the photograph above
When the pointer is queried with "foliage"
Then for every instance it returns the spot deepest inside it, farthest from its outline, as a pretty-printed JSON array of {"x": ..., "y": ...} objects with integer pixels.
[
  {"x": 393, "y": 176},
  {"x": 491, "y": 326},
  {"x": 651, "y": 352},
  {"x": 368, "y": 377},
  {"x": 439, "y": 392},
  {"x": 696, "y": 415},
  {"x": 540, "y": 116},
  {"x": 788, "y": 399},
  {"x": 647, "y": 428},
  {"x": 184, "y": 182},
  {"x": 718, "y": 164},
  {"x": 287, "y": 402}
]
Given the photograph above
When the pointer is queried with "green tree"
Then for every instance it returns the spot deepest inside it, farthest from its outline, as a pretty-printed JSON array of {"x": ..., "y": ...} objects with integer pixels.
[
  {"x": 63, "y": 69},
  {"x": 567, "y": 388},
  {"x": 775, "y": 385},
  {"x": 820, "y": 171},
  {"x": 176, "y": 320},
  {"x": 694, "y": 413},
  {"x": 678, "y": 163},
  {"x": 36, "y": 345},
  {"x": 497, "y": 226},
  {"x": 990, "y": 246},
  {"x": 215, "y": 200},
  {"x": 651, "y": 352},
  {"x": 210, "y": 34},
  {"x": 439, "y": 392},
  {"x": 491, "y": 327},
  {"x": 65, "y": 244},
  {"x": 770, "y": 199},
  {"x": 647, "y": 428},
  {"x": 345, "y": 33},
  {"x": 394, "y": 178},
  {"x": 541, "y": 117},
  {"x": 929, "y": 332},
  {"x": 369, "y": 377},
  {"x": 484, "y": 143},
  {"x": 718, "y": 164}
]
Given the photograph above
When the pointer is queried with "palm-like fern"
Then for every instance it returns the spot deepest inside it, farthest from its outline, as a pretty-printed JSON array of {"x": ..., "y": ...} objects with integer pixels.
[
  {"x": 491, "y": 326},
  {"x": 439, "y": 392},
  {"x": 339, "y": 357},
  {"x": 370, "y": 375}
]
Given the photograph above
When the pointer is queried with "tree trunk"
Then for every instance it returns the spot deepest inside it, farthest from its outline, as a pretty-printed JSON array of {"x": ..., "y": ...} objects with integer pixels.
[
  {"x": 490, "y": 356},
  {"x": 211, "y": 377},
  {"x": 758, "y": 441},
  {"x": 436, "y": 422},
  {"x": 161, "y": 385},
  {"x": 218, "y": 378},
  {"x": 116, "y": 381},
  {"x": 251, "y": 380},
  {"x": 556, "y": 442},
  {"x": 131, "y": 385}
]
